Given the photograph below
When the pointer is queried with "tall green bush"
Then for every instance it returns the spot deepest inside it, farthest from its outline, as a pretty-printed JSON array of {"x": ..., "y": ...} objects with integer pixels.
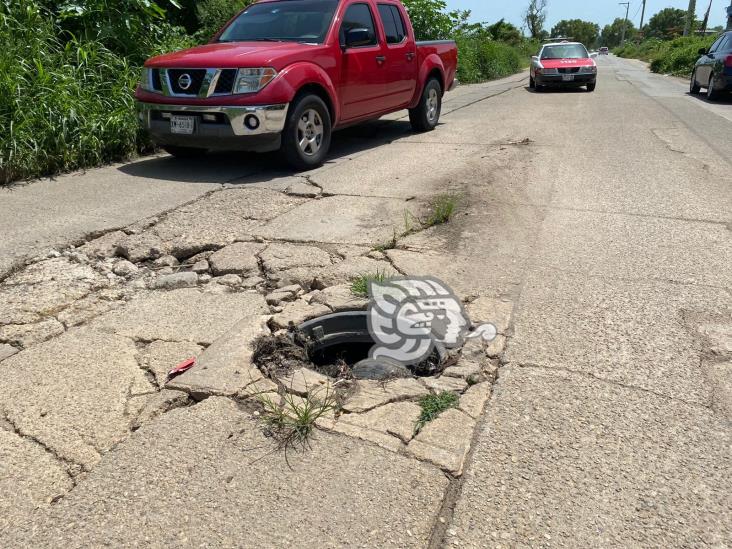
[
  {"x": 668, "y": 56},
  {"x": 213, "y": 14}
]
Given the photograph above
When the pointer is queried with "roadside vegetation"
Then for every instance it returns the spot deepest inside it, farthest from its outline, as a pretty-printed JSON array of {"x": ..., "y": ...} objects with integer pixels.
[
  {"x": 360, "y": 284},
  {"x": 675, "y": 56},
  {"x": 664, "y": 46}
]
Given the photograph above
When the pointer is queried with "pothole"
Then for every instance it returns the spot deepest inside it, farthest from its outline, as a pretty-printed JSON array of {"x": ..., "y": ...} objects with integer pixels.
[{"x": 338, "y": 345}]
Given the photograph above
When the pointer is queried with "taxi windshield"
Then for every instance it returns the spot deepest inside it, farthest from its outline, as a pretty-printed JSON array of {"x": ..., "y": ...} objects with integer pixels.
[{"x": 564, "y": 51}]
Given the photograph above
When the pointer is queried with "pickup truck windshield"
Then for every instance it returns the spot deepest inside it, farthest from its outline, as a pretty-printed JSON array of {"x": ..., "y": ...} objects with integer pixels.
[
  {"x": 283, "y": 21},
  {"x": 564, "y": 51}
]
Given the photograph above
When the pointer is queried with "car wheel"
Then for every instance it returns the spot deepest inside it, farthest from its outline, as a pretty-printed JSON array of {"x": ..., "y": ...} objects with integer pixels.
[
  {"x": 184, "y": 152},
  {"x": 532, "y": 83},
  {"x": 591, "y": 87},
  {"x": 694, "y": 87},
  {"x": 426, "y": 115},
  {"x": 306, "y": 137},
  {"x": 712, "y": 92}
]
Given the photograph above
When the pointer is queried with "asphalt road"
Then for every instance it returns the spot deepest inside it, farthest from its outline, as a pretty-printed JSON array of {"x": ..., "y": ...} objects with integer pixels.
[{"x": 603, "y": 219}]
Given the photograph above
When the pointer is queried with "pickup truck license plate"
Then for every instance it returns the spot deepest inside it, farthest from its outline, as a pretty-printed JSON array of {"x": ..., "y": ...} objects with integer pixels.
[
  {"x": 182, "y": 124},
  {"x": 567, "y": 77}
]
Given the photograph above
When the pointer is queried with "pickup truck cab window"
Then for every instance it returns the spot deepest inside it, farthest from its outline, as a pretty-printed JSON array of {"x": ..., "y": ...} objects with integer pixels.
[
  {"x": 393, "y": 24},
  {"x": 358, "y": 16},
  {"x": 293, "y": 21}
]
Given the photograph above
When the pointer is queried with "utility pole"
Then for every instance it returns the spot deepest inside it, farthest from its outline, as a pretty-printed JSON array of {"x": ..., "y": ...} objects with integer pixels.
[
  {"x": 729, "y": 17},
  {"x": 643, "y": 16},
  {"x": 625, "y": 24},
  {"x": 706, "y": 19},
  {"x": 690, "y": 16}
]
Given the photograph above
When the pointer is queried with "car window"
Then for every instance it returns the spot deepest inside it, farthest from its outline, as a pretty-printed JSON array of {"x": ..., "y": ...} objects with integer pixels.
[
  {"x": 303, "y": 21},
  {"x": 358, "y": 16},
  {"x": 393, "y": 23},
  {"x": 726, "y": 44},
  {"x": 564, "y": 51},
  {"x": 716, "y": 44}
]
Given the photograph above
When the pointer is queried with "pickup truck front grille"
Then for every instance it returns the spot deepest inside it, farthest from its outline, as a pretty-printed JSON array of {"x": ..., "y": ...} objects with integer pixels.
[
  {"x": 225, "y": 84},
  {"x": 569, "y": 70},
  {"x": 156, "y": 83},
  {"x": 186, "y": 81}
]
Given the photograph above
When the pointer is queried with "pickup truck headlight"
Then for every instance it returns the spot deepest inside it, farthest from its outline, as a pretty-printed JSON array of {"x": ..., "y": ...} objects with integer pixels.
[
  {"x": 146, "y": 79},
  {"x": 592, "y": 69},
  {"x": 253, "y": 80}
]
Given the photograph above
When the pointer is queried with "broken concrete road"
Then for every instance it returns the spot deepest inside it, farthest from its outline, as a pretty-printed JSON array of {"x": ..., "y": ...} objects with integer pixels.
[{"x": 598, "y": 417}]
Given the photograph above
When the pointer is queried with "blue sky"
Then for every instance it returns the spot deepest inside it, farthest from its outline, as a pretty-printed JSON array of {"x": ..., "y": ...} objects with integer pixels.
[{"x": 599, "y": 11}]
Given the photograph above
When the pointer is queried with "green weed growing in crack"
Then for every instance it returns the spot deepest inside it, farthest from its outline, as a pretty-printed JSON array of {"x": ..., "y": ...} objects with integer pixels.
[
  {"x": 433, "y": 405},
  {"x": 360, "y": 284},
  {"x": 390, "y": 245},
  {"x": 291, "y": 419},
  {"x": 440, "y": 210}
]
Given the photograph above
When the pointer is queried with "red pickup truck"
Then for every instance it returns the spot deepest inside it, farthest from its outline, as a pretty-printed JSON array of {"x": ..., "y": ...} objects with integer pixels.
[{"x": 283, "y": 74}]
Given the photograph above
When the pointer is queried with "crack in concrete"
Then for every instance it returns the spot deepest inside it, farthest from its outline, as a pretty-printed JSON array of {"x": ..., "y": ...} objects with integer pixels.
[{"x": 67, "y": 465}]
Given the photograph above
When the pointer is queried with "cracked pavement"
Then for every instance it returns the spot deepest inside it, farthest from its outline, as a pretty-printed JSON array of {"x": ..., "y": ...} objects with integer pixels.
[{"x": 593, "y": 230}]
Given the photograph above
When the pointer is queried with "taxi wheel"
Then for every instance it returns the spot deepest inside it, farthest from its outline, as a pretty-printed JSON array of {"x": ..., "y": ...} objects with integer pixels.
[
  {"x": 591, "y": 87},
  {"x": 532, "y": 83}
]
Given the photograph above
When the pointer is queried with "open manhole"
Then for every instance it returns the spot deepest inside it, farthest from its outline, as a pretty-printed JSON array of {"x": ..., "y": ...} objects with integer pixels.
[{"x": 338, "y": 345}]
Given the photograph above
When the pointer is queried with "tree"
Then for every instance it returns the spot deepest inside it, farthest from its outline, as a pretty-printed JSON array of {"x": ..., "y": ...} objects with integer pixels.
[
  {"x": 535, "y": 17},
  {"x": 666, "y": 24},
  {"x": 504, "y": 32},
  {"x": 432, "y": 22},
  {"x": 580, "y": 31},
  {"x": 611, "y": 34}
]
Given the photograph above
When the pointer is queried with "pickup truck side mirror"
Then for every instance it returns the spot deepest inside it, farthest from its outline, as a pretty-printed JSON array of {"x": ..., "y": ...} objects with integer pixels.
[
  {"x": 356, "y": 38},
  {"x": 703, "y": 51}
]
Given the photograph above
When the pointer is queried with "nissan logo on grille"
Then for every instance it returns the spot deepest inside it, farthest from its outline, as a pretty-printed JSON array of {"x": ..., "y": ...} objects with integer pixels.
[{"x": 185, "y": 81}]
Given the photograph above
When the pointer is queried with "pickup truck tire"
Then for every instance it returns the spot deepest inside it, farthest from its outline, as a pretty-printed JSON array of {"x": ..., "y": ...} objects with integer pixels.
[
  {"x": 425, "y": 116},
  {"x": 184, "y": 152},
  {"x": 306, "y": 137}
]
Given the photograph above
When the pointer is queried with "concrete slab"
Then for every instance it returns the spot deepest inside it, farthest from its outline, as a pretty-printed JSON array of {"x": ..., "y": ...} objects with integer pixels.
[
  {"x": 398, "y": 171},
  {"x": 182, "y": 315},
  {"x": 208, "y": 475},
  {"x": 634, "y": 247},
  {"x": 623, "y": 331},
  {"x": 339, "y": 219},
  {"x": 564, "y": 460},
  {"x": 31, "y": 479},
  {"x": 72, "y": 393}
]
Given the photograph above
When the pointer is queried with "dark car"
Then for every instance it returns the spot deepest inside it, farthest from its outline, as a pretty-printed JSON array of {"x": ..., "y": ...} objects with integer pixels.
[{"x": 713, "y": 70}]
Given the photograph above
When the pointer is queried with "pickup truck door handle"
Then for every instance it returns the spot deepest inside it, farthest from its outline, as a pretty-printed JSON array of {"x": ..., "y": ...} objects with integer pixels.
[
  {"x": 411, "y": 55},
  {"x": 381, "y": 59}
]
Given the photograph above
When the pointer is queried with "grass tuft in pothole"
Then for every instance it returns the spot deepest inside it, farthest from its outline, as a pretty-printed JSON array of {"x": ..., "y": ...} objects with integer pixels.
[
  {"x": 291, "y": 419},
  {"x": 360, "y": 284},
  {"x": 433, "y": 405}
]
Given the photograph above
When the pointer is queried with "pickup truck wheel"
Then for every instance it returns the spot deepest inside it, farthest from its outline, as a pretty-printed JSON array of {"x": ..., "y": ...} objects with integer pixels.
[
  {"x": 306, "y": 138},
  {"x": 426, "y": 115},
  {"x": 184, "y": 152}
]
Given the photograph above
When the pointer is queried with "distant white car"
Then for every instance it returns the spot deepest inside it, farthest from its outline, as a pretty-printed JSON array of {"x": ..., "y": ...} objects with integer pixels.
[{"x": 604, "y": 50}]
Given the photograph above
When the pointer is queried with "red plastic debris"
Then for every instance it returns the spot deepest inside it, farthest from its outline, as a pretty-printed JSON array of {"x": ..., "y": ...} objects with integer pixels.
[{"x": 182, "y": 368}]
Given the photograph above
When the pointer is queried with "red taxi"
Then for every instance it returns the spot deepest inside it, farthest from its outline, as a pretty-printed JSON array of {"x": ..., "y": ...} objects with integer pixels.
[{"x": 562, "y": 64}]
